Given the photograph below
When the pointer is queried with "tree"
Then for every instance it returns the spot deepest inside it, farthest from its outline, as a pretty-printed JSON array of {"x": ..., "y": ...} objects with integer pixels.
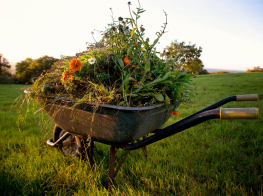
[
  {"x": 41, "y": 64},
  {"x": 22, "y": 70},
  {"x": 186, "y": 55},
  {"x": 194, "y": 65},
  {"x": 28, "y": 69},
  {"x": 5, "y": 74},
  {"x": 4, "y": 66}
]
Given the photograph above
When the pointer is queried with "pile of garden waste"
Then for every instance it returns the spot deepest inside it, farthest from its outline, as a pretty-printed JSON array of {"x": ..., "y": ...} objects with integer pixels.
[{"x": 122, "y": 69}]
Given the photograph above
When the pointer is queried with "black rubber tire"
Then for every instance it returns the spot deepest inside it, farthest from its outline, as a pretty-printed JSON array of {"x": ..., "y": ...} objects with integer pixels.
[{"x": 75, "y": 150}]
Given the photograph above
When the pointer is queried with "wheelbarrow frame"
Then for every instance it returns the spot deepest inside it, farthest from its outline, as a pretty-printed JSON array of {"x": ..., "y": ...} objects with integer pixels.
[{"x": 133, "y": 143}]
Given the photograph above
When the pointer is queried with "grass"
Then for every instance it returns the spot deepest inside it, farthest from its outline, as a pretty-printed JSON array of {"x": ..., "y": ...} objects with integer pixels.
[{"x": 218, "y": 157}]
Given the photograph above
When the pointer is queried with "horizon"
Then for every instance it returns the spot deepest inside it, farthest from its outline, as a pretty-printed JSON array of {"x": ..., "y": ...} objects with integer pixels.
[
  {"x": 230, "y": 32},
  {"x": 12, "y": 69}
]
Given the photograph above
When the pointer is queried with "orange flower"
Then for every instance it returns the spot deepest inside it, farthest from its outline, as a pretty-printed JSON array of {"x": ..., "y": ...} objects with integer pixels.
[
  {"x": 75, "y": 64},
  {"x": 126, "y": 60},
  {"x": 174, "y": 113},
  {"x": 135, "y": 44},
  {"x": 67, "y": 74}
]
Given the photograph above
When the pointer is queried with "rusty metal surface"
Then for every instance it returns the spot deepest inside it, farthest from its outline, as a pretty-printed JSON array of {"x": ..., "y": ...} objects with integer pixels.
[
  {"x": 120, "y": 125},
  {"x": 144, "y": 149},
  {"x": 111, "y": 167},
  {"x": 121, "y": 162},
  {"x": 89, "y": 149}
]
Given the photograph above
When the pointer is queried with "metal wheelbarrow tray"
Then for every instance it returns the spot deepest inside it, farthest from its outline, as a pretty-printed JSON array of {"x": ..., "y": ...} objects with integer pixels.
[
  {"x": 122, "y": 127},
  {"x": 109, "y": 124}
]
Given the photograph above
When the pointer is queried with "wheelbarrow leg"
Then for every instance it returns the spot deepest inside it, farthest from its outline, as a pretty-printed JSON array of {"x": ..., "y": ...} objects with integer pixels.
[
  {"x": 111, "y": 167},
  {"x": 144, "y": 149},
  {"x": 89, "y": 152},
  {"x": 112, "y": 172}
]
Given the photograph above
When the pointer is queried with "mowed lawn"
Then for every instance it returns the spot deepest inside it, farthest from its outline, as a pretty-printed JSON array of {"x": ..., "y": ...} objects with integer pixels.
[{"x": 217, "y": 157}]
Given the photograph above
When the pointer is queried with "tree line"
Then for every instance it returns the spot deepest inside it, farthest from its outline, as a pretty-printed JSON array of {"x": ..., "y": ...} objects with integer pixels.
[
  {"x": 29, "y": 69},
  {"x": 185, "y": 55},
  {"x": 26, "y": 70}
]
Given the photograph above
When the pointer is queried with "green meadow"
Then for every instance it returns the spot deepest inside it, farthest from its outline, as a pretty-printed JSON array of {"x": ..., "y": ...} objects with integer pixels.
[{"x": 217, "y": 157}]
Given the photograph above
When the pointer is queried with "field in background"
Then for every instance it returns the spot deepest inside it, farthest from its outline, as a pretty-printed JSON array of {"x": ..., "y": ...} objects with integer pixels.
[
  {"x": 228, "y": 70},
  {"x": 218, "y": 157}
]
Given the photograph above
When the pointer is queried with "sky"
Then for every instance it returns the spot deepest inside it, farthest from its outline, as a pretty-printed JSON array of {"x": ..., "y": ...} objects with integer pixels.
[{"x": 229, "y": 31}]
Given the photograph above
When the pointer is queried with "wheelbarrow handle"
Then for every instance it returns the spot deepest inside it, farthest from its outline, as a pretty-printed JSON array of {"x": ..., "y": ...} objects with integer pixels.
[
  {"x": 239, "y": 113},
  {"x": 248, "y": 97},
  {"x": 226, "y": 113}
]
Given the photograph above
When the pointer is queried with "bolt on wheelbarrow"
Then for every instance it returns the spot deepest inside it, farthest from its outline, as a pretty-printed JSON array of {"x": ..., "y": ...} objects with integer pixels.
[{"x": 76, "y": 130}]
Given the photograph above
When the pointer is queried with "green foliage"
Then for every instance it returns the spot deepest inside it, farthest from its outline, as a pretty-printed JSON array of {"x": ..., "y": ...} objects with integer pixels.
[
  {"x": 194, "y": 66},
  {"x": 41, "y": 64},
  {"x": 22, "y": 70},
  {"x": 186, "y": 55},
  {"x": 29, "y": 69},
  {"x": 123, "y": 66}
]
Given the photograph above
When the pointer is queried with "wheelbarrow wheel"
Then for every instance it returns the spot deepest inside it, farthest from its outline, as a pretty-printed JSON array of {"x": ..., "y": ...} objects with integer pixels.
[{"x": 73, "y": 147}]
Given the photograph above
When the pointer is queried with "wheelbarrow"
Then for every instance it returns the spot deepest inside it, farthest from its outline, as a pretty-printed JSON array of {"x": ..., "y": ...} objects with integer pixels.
[{"x": 76, "y": 129}]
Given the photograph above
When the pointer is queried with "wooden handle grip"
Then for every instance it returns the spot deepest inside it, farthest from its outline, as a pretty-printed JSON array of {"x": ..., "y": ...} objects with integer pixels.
[
  {"x": 239, "y": 113},
  {"x": 249, "y": 97}
]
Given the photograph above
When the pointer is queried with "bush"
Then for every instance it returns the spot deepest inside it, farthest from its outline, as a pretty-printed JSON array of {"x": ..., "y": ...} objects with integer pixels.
[
  {"x": 203, "y": 72},
  {"x": 219, "y": 72},
  {"x": 255, "y": 69},
  {"x": 6, "y": 80}
]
